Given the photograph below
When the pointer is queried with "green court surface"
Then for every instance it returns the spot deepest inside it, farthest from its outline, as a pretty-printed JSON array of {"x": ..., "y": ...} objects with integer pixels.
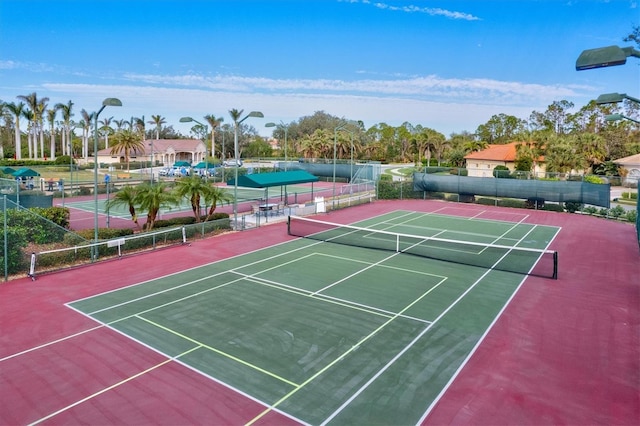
[{"x": 325, "y": 332}]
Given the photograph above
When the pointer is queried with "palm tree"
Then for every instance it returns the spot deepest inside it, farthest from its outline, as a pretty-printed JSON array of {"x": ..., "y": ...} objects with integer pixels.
[
  {"x": 105, "y": 127},
  {"x": 28, "y": 114},
  {"x": 120, "y": 124},
  {"x": 562, "y": 156},
  {"x": 213, "y": 122},
  {"x": 214, "y": 196},
  {"x": 439, "y": 144},
  {"x": 138, "y": 125},
  {"x": 86, "y": 130},
  {"x": 41, "y": 109},
  {"x": 194, "y": 188},
  {"x": 158, "y": 121},
  {"x": 51, "y": 117},
  {"x": 475, "y": 145},
  {"x": 125, "y": 141},
  {"x": 343, "y": 144},
  {"x": 31, "y": 102},
  {"x": 126, "y": 196},
  {"x": 37, "y": 107},
  {"x": 153, "y": 197},
  {"x": 17, "y": 110},
  {"x": 66, "y": 119}
]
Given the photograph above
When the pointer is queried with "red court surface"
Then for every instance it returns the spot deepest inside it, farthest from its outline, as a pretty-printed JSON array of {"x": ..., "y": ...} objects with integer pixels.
[{"x": 564, "y": 351}]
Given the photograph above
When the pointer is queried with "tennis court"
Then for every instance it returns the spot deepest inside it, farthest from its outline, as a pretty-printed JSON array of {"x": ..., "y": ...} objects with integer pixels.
[
  {"x": 336, "y": 329},
  {"x": 122, "y": 211}
]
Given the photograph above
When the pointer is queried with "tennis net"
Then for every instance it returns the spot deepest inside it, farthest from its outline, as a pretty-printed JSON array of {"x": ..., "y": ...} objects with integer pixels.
[{"x": 521, "y": 260}]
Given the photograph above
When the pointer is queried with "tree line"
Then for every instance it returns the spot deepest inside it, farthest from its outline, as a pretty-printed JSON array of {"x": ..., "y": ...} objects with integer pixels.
[{"x": 581, "y": 140}]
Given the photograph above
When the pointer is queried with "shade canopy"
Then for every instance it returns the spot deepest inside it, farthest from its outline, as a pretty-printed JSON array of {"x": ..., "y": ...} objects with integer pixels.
[
  {"x": 266, "y": 180},
  {"x": 182, "y": 164},
  {"x": 7, "y": 170},
  {"x": 25, "y": 172},
  {"x": 204, "y": 165}
]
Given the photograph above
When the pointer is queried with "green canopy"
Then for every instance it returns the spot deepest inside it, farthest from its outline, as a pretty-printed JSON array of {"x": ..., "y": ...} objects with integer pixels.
[
  {"x": 266, "y": 180},
  {"x": 204, "y": 165},
  {"x": 7, "y": 170},
  {"x": 25, "y": 172},
  {"x": 182, "y": 164}
]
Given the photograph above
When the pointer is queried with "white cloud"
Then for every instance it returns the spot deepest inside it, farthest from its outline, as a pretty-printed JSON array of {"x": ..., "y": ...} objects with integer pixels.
[
  {"x": 173, "y": 103},
  {"x": 432, "y": 11},
  {"x": 428, "y": 88}
]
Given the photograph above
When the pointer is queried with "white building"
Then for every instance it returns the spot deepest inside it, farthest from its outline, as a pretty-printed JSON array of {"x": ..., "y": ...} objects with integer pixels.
[{"x": 632, "y": 165}]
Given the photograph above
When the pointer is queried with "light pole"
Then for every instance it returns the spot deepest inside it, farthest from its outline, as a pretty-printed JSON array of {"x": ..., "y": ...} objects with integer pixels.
[
  {"x": 107, "y": 102},
  {"x": 152, "y": 161},
  {"x": 351, "y": 166},
  {"x": 222, "y": 154},
  {"x": 613, "y": 98},
  {"x": 236, "y": 123},
  {"x": 286, "y": 130},
  {"x": 605, "y": 57},
  {"x": 616, "y": 117}
]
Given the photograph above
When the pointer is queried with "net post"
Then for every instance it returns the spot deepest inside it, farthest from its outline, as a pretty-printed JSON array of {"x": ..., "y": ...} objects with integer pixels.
[
  {"x": 289, "y": 224},
  {"x": 555, "y": 265},
  {"x": 184, "y": 235},
  {"x": 32, "y": 267}
]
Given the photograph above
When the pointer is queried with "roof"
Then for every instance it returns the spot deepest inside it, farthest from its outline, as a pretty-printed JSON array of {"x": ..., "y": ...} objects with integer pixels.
[
  {"x": 164, "y": 145},
  {"x": 503, "y": 152},
  {"x": 632, "y": 160},
  {"x": 25, "y": 172},
  {"x": 266, "y": 180},
  {"x": 506, "y": 152}
]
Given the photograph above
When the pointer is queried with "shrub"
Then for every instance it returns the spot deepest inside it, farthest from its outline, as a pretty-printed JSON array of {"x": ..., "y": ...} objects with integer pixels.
[
  {"x": 104, "y": 233},
  {"x": 593, "y": 179},
  {"x": 58, "y": 215},
  {"x": 34, "y": 228},
  {"x": 632, "y": 216},
  {"x": 534, "y": 203},
  {"x": 397, "y": 190},
  {"x": 459, "y": 171},
  {"x": 501, "y": 172},
  {"x": 590, "y": 210},
  {"x": 573, "y": 206},
  {"x": 434, "y": 196},
  {"x": 16, "y": 260},
  {"x": 510, "y": 202},
  {"x": 466, "y": 198},
  {"x": 553, "y": 207},
  {"x": 486, "y": 201},
  {"x": 617, "y": 212}
]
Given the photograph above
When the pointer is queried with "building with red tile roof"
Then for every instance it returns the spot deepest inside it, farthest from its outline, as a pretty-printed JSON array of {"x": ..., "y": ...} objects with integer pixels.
[
  {"x": 163, "y": 151},
  {"x": 482, "y": 163}
]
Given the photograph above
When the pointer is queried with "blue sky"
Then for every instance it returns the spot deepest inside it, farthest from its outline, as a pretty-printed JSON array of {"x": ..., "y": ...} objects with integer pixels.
[{"x": 447, "y": 65}]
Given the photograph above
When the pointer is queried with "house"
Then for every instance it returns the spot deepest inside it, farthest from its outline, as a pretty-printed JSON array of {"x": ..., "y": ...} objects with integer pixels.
[
  {"x": 482, "y": 163},
  {"x": 632, "y": 165},
  {"x": 160, "y": 152}
]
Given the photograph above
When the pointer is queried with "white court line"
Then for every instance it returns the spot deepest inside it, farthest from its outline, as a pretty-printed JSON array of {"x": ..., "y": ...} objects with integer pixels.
[
  {"x": 44, "y": 345},
  {"x": 347, "y": 352},
  {"x": 103, "y": 390}
]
